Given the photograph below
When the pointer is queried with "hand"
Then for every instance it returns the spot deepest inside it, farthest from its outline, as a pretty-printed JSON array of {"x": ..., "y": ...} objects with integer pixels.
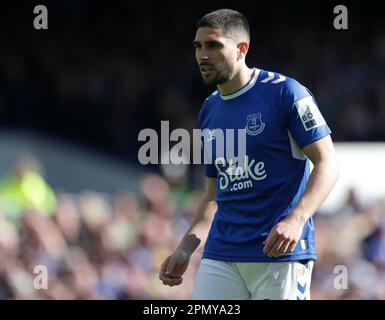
[
  {"x": 173, "y": 268},
  {"x": 283, "y": 237}
]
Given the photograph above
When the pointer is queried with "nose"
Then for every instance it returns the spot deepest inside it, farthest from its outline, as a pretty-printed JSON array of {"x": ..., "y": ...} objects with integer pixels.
[{"x": 202, "y": 55}]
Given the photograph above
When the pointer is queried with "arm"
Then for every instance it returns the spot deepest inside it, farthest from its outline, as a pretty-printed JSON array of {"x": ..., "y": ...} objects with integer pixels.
[
  {"x": 190, "y": 241},
  {"x": 284, "y": 236},
  {"x": 176, "y": 264}
]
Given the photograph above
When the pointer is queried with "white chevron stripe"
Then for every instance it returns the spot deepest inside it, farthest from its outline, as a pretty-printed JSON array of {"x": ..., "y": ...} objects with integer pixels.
[
  {"x": 280, "y": 79},
  {"x": 270, "y": 77},
  {"x": 302, "y": 278},
  {"x": 301, "y": 295},
  {"x": 296, "y": 151},
  {"x": 302, "y": 281}
]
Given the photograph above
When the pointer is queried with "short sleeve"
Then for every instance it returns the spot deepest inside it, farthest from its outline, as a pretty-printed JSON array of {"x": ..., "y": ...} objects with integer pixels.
[{"x": 304, "y": 119}]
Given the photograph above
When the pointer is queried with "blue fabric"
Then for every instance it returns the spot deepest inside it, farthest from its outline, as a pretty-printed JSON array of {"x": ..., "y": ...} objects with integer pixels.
[{"x": 271, "y": 108}]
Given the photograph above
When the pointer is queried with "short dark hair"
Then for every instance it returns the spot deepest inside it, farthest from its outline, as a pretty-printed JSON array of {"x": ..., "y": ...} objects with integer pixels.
[{"x": 226, "y": 20}]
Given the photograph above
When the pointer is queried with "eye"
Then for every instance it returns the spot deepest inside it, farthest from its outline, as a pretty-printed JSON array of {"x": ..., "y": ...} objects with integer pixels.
[{"x": 214, "y": 45}]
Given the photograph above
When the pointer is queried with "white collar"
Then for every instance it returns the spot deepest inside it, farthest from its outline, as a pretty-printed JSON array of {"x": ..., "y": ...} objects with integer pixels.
[{"x": 245, "y": 88}]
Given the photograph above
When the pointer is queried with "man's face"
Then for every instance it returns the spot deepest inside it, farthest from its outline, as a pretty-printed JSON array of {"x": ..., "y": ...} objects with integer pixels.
[{"x": 216, "y": 55}]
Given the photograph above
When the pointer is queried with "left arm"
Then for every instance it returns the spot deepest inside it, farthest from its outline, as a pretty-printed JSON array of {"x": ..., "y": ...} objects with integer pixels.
[{"x": 284, "y": 236}]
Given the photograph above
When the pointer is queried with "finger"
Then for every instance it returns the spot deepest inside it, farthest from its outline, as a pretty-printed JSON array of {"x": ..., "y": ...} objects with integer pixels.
[
  {"x": 269, "y": 236},
  {"x": 169, "y": 279},
  {"x": 270, "y": 241},
  {"x": 275, "y": 249},
  {"x": 292, "y": 246},
  {"x": 163, "y": 267},
  {"x": 172, "y": 281},
  {"x": 284, "y": 247},
  {"x": 176, "y": 282},
  {"x": 163, "y": 277},
  {"x": 170, "y": 267}
]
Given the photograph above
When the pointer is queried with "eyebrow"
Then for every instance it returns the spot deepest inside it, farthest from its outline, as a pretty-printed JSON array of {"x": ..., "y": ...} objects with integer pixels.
[{"x": 195, "y": 42}]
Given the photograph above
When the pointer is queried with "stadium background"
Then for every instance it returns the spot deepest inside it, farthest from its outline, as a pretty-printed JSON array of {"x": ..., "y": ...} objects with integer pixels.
[{"x": 73, "y": 99}]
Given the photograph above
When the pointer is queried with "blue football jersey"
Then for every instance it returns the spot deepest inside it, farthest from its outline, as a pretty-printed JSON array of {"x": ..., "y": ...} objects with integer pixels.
[{"x": 279, "y": 117}]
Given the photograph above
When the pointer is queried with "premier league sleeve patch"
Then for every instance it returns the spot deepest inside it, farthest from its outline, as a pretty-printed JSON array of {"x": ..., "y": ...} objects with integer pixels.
[{"x": 309, "y": 113}]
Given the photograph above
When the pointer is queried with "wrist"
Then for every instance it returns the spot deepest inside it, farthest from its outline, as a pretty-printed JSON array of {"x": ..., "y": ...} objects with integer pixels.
[
  {"x": 298, "y": 218},
  {"x": 189, "y": 244}
]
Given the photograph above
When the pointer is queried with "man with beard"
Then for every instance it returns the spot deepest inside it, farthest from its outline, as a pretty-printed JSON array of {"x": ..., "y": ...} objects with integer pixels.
[{"x": 261, "y": 241}]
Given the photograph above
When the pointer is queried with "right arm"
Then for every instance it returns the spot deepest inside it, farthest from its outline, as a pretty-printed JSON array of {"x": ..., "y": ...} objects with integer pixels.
[{"x": 176, "y": 264}]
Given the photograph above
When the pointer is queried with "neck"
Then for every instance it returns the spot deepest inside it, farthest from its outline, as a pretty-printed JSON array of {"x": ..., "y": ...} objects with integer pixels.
[{"x": 239, "y": 80}]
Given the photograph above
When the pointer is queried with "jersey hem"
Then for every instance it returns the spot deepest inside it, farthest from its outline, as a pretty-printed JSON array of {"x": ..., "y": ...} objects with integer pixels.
[{"x": 294, "y": 257}]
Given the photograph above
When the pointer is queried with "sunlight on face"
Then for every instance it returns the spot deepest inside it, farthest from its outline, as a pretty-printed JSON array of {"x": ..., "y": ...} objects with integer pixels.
[{"x": 216, "y": 55}]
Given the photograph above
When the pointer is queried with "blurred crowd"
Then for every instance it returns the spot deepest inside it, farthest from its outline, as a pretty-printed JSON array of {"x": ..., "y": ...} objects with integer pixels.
[
  {"x": 351, "y": 251},
  {"x": 111, "y": 246},
  {"x": 94, "y": 246}
]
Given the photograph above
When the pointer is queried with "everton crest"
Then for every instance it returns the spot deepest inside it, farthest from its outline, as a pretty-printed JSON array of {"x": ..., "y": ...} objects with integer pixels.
[{"x": 254, "y": 124}]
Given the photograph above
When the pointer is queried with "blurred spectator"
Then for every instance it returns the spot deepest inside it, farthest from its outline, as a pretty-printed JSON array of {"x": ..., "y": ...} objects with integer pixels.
[{"x": 25, "y": 188}]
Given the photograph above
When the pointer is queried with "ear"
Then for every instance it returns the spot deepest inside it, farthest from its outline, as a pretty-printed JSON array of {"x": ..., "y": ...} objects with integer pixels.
[{"x": 243, "y": 47}]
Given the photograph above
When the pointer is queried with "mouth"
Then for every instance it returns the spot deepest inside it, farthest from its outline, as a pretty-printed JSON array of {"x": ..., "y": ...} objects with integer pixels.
[{"x": 206, "y": 71}]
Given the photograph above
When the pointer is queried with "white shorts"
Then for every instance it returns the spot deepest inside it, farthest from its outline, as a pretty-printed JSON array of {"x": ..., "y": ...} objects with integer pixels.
[{"x": 220, "y": 280}]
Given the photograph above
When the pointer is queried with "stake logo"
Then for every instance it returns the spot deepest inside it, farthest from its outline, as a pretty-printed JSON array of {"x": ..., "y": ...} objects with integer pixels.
[{"x": 239, "y": 176}]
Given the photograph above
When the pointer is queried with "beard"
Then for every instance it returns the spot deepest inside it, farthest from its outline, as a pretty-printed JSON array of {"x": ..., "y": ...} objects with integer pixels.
[{"x": 223, "y": 74}]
